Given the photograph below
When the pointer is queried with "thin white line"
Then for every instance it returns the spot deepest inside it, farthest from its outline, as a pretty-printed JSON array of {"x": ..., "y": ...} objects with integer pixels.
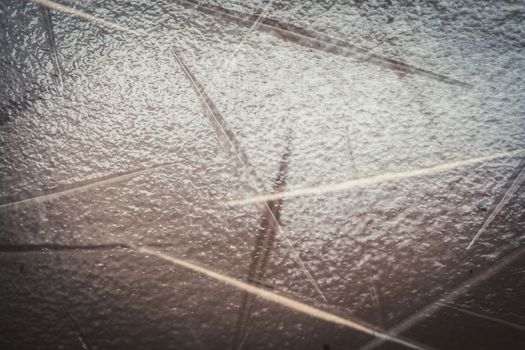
[
  {"x": 506, "y": 197},
  {"x": 281, "y": 233},
  {"x": 362, "y": 182},
  {"x": 278, "y": 299},
  {"x": 59, "y": 7},
  {"x": 82, "y": 188},
  {"x": 245, "y": 37},
  {"x": 487, "y": 317},
  {"x": 448, "y": 298}
]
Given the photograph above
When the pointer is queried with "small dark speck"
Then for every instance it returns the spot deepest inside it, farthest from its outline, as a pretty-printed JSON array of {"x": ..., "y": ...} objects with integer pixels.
[
  {"x": 326, "y": 347},
  {"x": 390, "y": 19},
  {"x": 471, "y": 271},
  {"x": 21, "y": 268},
  {"x": 482, "y": 207}
]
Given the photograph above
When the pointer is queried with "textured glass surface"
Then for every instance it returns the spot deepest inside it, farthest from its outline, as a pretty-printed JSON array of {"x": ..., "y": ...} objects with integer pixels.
[{"x": 197, "y": 174}]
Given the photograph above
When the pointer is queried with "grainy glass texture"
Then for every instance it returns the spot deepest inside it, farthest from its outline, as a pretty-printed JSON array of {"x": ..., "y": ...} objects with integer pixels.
[{"x": 198, "y": 174}]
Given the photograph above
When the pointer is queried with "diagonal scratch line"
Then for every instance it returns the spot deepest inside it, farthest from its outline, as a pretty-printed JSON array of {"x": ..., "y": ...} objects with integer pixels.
[
  {"x": 81, "y": 337},
  {"x": 232, "y": 145},
  {"x": 279, "y": 299},
  {"x": 20, "y": 248},
  {"x": 506, "y": 197},
  {"x": 228, "y": 65},
  {"x": 317, "y": 41},
  {"x": 50, "y": 34},
  {"x": 59, "y": 7},
  {"x": 265, "y": 237},
  {"x": 55, "y": 193},
  {"x": 51, "y": 194},
  {"x": 431, "y": 308},
  {"x": 224, "y": 134},
  {"x": 367, "y": 181},
  {"x": 53, "y": 247},
  {"x": 285, "y": 31},
  {"x": 254, "y": 27},
  {"x": 486, "y": 317}
]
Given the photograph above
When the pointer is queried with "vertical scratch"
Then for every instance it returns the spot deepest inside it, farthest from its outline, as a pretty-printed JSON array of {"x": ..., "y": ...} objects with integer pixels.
[{"x": 50, "y": 34}]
